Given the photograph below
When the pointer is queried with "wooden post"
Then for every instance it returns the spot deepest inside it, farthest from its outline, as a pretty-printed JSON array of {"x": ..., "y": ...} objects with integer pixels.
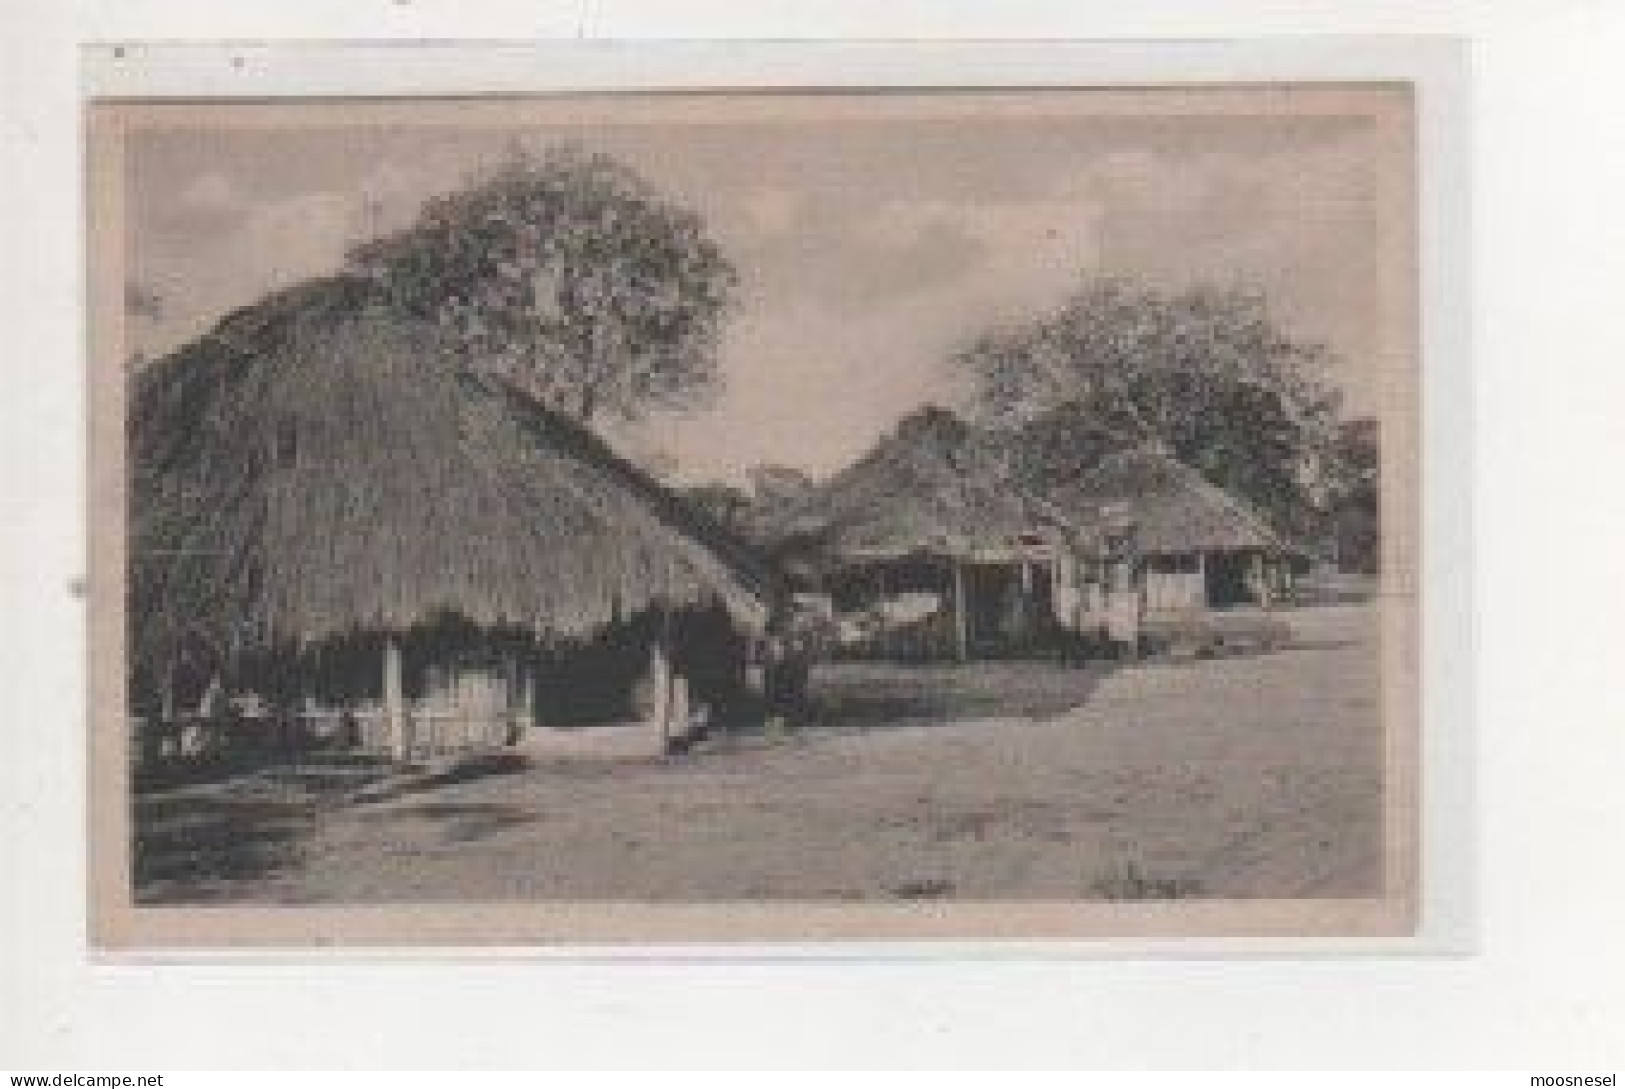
[
  {"x": 525, "y": 712},
  {"x": 508, "y": 718},
  {"x": 677, "y": 709},
  {"x": 395, "y": 702},
  {"x": 1060, "y": 575},
  {"x": 961, "y": 619},
  {"x": 660, "y": 692},
  {"x": 1023, "y": 620},
  {"x": 885, "y": 646}
]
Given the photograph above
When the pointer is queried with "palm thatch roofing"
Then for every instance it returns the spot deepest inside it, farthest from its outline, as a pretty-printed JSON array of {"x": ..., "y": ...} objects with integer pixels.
[
  {"x": 933, "y": 485},
  {"x": 1173, "y": 508},
  {"x": 319, "y": 466}
]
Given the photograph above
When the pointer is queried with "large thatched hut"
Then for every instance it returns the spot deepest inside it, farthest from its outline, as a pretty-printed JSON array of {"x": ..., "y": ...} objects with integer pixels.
[
  {"x": 330, "y": 511},
  {"x": 929, "y": 522},
  {"x": 1197, "y": 545}
]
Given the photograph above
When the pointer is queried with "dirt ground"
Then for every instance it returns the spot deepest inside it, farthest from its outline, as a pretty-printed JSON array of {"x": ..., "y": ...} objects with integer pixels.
[{"x": 1255, "y": 776}]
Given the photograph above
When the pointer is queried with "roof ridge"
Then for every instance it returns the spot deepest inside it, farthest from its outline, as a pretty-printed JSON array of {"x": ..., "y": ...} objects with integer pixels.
[
  {"x": 665, "y": 504},
  {"x": 1224, "y": 496}
]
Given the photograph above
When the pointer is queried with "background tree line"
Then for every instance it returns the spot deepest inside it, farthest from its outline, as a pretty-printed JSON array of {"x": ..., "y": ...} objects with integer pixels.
[{"x": 1204, "y": 373}]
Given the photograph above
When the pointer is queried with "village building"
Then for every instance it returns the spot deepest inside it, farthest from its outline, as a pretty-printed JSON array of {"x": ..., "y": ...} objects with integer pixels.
[
  {"x": 334, "y": 520},
  {"x": 929, "y": 552},
  {"x": 1195, "y": 546}
]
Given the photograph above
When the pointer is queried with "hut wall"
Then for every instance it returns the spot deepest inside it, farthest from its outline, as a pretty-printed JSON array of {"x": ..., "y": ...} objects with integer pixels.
[
  {"x": 1078, "y": 593},
  {"x": 1066, "y": 592},
  {"x": 443, "y": 702},
  {"x": 1005, "y": 607},
  {"x": 1175, "y": 582},
  {"x": 1091, "y": 611},
  {"x": 466, "y": 708}
]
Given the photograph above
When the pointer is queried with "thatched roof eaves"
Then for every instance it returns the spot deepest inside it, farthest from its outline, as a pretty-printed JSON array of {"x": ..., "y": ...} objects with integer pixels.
[
  {"x": 314, "y": 469},
  {"x": 1173, "y": 508}
]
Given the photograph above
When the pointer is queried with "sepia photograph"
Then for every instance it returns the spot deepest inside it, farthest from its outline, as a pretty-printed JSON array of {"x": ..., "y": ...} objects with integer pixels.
[{"x": 754, "y": 516}]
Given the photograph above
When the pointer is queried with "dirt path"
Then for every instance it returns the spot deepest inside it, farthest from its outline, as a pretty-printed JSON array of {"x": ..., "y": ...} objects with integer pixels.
[{"x": 1239, "y": 777}]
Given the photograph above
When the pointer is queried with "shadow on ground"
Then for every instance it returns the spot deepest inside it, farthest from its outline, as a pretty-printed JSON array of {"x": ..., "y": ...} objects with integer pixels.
[
  {"x": 417, "y": 781},
  {"x": 877, "y": 695},
  {"x": 198, "y": 847},
  {"x": 217, "y": 767},
  {"x": 462, "y": 822},
  {"x": 196, "y": 841}
]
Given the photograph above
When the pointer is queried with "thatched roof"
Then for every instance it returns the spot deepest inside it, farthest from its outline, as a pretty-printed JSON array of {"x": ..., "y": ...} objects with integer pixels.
[
  {"x": 1173, "y": 507},
  {"x": 933, "y": 485},
  {"x": 318, "y": 466}
]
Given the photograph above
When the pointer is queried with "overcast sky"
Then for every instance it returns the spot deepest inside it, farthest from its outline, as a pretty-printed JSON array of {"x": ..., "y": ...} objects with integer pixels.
[{"x": 867, "y": 251}]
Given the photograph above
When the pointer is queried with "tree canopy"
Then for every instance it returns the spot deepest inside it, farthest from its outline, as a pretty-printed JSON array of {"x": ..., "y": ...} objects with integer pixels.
[
  {"x": 1354, "y": 497},
  {"x": 1203, "y": 372},
  {"x": 570, "y": 273}
]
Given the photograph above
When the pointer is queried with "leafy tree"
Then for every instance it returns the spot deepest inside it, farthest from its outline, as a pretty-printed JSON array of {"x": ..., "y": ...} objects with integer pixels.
[
  {"x": 724, "y": 504},
  {"x": 1060, "y": 445},
  {"x": 573, "y": 276},
  {"x": 1203, "y": 372},
  {"x": 1354, "y": 499}
]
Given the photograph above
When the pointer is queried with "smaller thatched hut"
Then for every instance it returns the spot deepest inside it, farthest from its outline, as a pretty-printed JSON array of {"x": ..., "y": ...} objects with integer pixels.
[
  {"x": 329, "y": 510},
  {"x": 927, "y": 535},
  {"x": 1197, "y": 546}
]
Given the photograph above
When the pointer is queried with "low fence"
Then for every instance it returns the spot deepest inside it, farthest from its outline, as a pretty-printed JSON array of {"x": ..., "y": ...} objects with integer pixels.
[{"x": 198, "y": 741}]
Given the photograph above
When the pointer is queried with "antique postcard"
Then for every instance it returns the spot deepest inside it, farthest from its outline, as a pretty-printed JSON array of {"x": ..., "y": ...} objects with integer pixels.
[{"x": 649, "y": 518}]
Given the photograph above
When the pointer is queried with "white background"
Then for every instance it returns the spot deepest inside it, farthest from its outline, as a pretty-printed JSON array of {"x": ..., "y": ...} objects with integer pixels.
[{"x": 1544, "y": 989}]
